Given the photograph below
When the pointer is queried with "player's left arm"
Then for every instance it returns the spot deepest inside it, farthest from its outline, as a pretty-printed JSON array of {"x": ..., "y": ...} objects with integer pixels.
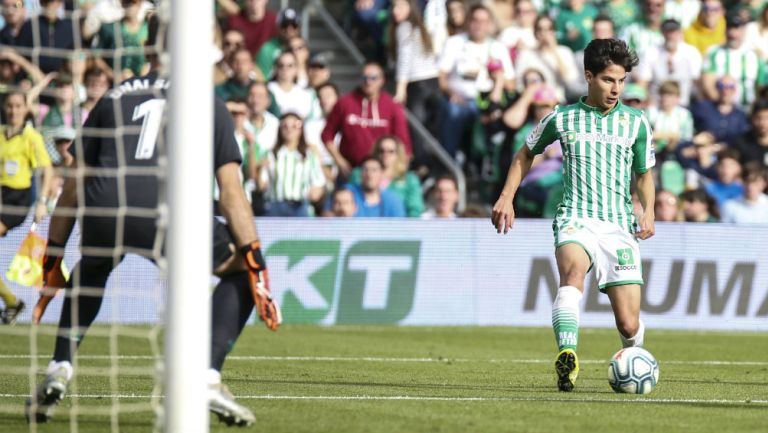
[{"x": 644, "y": 159}]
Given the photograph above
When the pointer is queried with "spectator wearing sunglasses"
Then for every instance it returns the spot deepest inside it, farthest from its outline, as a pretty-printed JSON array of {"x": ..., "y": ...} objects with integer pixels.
[
  {"x": 361, "y": 117},
  {"x": 722, "y": 117}
]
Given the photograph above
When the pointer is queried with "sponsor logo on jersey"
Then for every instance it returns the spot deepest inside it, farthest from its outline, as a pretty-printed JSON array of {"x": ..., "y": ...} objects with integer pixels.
[
  {"x": 626, "y": 258},
  {"x": 364, "y": 122}
]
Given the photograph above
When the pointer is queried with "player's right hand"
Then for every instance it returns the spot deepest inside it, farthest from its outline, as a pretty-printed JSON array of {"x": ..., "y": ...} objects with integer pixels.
[
  {"x": 503, "y": 215},
  {"x": 258, "y": 277}
]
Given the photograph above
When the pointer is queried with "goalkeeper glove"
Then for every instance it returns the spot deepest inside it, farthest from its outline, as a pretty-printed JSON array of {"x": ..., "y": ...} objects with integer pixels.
[
  {"x": 53, "y": 280},
  {"x": 267, "y": 308}
]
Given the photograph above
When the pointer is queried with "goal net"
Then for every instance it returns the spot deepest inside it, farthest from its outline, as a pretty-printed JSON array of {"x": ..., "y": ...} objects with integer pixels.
[{"x": 68, "y": 62}]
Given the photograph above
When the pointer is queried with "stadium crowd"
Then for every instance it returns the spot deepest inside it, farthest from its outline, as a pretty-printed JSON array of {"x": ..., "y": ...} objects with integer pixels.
[{"x": 478, "y": 75}]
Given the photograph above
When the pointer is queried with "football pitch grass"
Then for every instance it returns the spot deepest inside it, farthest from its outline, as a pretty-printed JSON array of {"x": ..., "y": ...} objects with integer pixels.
[{"x": 421, "y": 379}]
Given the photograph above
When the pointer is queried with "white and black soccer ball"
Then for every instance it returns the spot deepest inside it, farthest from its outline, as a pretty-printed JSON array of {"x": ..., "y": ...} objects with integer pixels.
[{"x": 633, "y": 370}]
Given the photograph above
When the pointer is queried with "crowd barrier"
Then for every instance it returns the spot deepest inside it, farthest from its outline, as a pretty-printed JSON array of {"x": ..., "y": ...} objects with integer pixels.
[{"x": 460, "y": 272}]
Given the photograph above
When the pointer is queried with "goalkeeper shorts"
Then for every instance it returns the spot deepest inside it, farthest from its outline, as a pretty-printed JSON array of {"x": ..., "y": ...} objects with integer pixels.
[{"x": 222, "y": 239}]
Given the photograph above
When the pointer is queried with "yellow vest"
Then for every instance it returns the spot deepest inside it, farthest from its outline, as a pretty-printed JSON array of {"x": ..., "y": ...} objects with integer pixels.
[
  {"x": 19, "y": 156},
  {"x": 702, "y": 37}
]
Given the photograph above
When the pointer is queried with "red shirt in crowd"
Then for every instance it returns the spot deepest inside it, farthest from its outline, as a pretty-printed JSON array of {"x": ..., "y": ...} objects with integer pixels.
[
  {"x": 361, "y": 121},
  {"x": 256, "y": 32}
]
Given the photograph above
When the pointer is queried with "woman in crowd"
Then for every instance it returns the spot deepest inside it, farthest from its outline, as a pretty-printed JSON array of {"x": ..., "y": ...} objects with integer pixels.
[
  {"x": 699, "y": 207},
  {"x": 397, "y": 178},
  {"x": 519, "y": 36},
  {"x": 756, "y": 34},
  {"x": 298, "y": 46},
  {"x": 293, "y": 175},
  {"x": 289, "y": 96},
  {"x": 416, "y": 70},
  {"x": 21, "y": 153},
  {"x": 130, "y": 32}
]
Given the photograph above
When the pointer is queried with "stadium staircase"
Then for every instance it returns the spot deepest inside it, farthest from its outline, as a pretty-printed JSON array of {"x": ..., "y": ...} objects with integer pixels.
[{"x": 323, "y": 32}]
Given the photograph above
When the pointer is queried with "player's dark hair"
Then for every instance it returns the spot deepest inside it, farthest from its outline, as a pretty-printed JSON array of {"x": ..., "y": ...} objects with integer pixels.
[
  {"x": 303, "y": 147},
  {"x": 601, "y": 53}
]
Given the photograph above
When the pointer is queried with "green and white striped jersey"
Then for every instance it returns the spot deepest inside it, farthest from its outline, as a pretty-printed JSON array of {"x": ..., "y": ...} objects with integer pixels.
[
  {"x": 600, "y": 152},
  {"x": 743, "y": 65},
  {"x": 291, "y": 175}
]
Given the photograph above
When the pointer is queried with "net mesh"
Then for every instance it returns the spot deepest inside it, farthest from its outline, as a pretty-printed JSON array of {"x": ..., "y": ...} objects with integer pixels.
[{"x": 116, "y": 371}]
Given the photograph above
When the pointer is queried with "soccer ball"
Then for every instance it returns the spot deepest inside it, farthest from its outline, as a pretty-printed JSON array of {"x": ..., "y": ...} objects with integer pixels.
[{"x": 633, "y": 370}]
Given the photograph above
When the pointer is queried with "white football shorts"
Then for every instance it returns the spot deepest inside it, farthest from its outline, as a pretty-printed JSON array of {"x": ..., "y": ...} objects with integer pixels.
[{"x": 614, "y": 253}]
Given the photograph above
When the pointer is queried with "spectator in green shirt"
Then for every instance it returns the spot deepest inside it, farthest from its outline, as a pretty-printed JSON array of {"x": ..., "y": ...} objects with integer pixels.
[
  {"x": 288, "y": 28},
  {"x": 244, "y": 74},
  {"x": 574, "y": 24},
  {"x": 621, "y": 12},
  {"x": 130, "y": 32}
]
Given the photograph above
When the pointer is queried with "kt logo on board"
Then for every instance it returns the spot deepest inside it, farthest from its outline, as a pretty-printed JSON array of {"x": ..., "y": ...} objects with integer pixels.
[{"x": 373, "y": 281}]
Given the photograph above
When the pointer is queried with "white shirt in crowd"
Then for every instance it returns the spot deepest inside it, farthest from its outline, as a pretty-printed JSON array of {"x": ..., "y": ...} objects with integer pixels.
[
  {"x": 684, "y": 11},
  {"x": 466, "y": 63},
  {"x": 513, "y": 36},
  {"x": 659, "y": 65},
  {"x": 739, "y": 211},
  {"x": 431, "y": 213},
  {"x": 435, "y": 20},
  {"x": 298, "y": 100},
  {"x": 547, "y": 63},
  {"x": 266, "y": 136},
  {"x": 756, "y": 39},
  {"x": 413, "y": 62},
  {"x": 312, "y": 130}
]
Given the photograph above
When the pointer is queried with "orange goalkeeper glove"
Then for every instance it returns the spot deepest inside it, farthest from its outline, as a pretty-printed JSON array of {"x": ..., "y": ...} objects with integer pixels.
[
  {"x": 53, "y": 280},
  {"x": 266, "y": 307}
]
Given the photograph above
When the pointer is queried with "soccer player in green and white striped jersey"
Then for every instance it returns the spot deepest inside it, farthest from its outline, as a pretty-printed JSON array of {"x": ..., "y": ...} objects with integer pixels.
[{"x": 604, "y": 142}]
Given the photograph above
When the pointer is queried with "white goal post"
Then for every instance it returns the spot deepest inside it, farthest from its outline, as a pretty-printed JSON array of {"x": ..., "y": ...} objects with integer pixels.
[{"x": 190, "y": 161}]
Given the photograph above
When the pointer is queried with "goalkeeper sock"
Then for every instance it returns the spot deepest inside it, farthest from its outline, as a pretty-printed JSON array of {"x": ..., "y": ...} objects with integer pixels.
[
  {"x": 8, "y": 297},
  {"x": 232, "y": 305},
  {"x": 565, "y": 317},
  {"x": 54, "y": 366},
  {"x": 637, "y": 340},
  {"x": 213, "y": 376}
]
